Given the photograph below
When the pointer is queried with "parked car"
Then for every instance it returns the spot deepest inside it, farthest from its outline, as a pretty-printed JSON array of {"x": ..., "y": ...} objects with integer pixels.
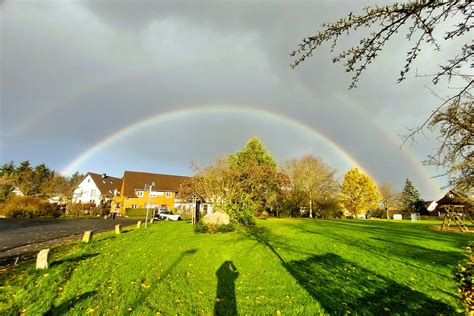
[{"x": 164, "y": 214}]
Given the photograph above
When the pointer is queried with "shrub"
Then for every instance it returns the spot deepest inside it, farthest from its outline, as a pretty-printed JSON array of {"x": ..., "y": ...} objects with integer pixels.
[
  {"x": 331, "y": 213},
  {"x": 241, "y": 212},
  {"x": 5, "y": 191},
  {"x": 200, "y": 227},
  {"x": 20, "y": 206},
  {"x": 137, "y": 212},
  {"x": 77, "y": 209},
  {"x": 226, "y": 228},
  {"x": 380, "y": 213},
  {"x": 102, "y": 209},
  {"x": 463, "y": 275}
]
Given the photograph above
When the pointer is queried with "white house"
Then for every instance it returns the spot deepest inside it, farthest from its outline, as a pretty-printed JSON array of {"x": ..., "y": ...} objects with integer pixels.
[{"x": 95, "y": 188}]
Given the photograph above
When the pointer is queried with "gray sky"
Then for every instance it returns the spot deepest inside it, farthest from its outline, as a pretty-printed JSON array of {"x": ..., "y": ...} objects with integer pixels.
[{"x": 212, "y": 75}]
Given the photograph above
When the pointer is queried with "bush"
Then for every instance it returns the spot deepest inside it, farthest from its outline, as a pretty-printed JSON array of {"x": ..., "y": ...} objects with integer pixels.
[
  {"x": 225, "y": 228},
  {"x": 331, "y": 213},
  {"x": 77, "y": 209},
  {"x": 20, "y": 206},
  {"x": 463, "y": 276},
  {"x": 380, "y": 213},
  {"x": 137, "y": 212},
  {"x": 200, "y": 227}
]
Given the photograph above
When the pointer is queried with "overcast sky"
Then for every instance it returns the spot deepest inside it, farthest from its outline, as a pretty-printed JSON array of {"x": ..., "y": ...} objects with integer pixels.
[{"x": 212, "y": 75}]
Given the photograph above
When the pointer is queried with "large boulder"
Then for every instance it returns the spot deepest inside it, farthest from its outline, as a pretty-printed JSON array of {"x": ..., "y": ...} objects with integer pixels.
[{"x": 216, "y": 219}]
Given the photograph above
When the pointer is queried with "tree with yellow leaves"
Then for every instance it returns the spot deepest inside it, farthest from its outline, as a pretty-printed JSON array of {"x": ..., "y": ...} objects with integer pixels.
[{"x": 359, "y": 192}]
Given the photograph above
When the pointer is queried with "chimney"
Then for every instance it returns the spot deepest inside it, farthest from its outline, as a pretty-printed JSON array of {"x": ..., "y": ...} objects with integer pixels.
[{"x": 104, "y": 175}]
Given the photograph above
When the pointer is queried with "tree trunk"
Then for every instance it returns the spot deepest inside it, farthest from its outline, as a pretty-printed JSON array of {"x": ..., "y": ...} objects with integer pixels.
[{"x": 310, "y": 208}]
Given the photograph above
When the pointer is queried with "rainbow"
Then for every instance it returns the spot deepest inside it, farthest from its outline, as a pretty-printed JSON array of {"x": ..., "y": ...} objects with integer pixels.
[
  {"x": 264, "y": 114},
  {"x": 163, "y": 117}
]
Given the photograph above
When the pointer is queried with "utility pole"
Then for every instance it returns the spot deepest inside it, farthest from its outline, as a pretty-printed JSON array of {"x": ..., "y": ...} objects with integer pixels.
[{"x": 148, "y": 201}]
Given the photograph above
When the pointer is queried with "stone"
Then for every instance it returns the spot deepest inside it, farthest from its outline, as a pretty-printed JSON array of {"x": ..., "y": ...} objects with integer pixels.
[
  {"x": 87, "y": 236},
  {"x": 139, "y": 224},
  {"x": 217, "y": 218},
  {"x": 118, "y": 229},
  {"x": 42, "y": 259}
]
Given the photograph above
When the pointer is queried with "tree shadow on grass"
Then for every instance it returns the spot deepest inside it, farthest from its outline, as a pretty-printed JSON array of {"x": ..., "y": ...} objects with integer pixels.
[
  {"x": 342, "y": 286},
  {"x": 226, "y": 303},
  {"x": 394, "y": 247},
  {"x": 74, "y": 259},
  {"x": 67, "y": 305}
]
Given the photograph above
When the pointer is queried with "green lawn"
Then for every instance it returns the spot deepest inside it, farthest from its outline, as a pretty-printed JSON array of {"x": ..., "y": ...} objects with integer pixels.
[{"x": 287, "y": 265}]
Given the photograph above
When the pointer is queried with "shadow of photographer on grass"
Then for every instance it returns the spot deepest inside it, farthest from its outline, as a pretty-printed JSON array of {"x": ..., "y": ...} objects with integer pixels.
[{"x": 226, "y": 303}]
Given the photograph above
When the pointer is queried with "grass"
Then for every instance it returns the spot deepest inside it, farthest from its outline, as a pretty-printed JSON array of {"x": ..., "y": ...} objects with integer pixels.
[{"x": 287, "y": 265}]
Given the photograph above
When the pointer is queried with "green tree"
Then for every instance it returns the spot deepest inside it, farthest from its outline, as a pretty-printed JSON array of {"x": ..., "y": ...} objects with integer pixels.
[
  {"x": 359, "y": 192},
  {"x": 253, "y": 153},
  {"x": 32, "y": 182},
  {"x": 409, "y": 196},
  {"x": 7, "y": 170},
  {"x": 426, "y": 23},
  {"x": 220, "y": 185},
  {"x": 257, "y": 173},
  {"x": 312, "y": 182}
]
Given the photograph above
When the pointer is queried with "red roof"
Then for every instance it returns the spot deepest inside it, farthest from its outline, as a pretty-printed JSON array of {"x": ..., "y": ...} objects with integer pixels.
[{"x": 133, "y": 180}]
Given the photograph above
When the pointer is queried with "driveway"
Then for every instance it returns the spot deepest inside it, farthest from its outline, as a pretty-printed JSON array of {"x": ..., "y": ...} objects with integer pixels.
[{"x": 20, "y": 236}]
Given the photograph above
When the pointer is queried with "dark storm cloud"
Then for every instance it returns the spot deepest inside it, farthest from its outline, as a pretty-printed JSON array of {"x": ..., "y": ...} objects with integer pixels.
[{"x": 76, "y": 72}]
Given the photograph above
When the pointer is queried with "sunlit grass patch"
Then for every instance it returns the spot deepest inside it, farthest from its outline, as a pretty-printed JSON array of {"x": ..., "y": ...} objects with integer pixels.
[{"x": 287, "y": 265}]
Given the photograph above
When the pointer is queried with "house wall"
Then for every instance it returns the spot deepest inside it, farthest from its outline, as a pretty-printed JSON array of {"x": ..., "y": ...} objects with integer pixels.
[
  {"x": 87, "y": 192},
  {"x": 157, "y": 198}
]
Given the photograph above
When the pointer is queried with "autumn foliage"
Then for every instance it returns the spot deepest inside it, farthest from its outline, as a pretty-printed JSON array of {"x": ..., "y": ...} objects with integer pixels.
[{"x": 359, "y": 193}]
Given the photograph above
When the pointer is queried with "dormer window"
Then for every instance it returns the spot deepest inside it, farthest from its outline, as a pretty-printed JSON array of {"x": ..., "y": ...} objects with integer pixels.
[{"x": 139, "y": 193}]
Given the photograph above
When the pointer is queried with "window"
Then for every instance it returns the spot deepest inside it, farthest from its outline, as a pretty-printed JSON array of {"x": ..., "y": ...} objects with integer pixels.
[
  {"x": 168, "y": 195},
  {"x": 139, "y": 193},
  {"x": 134, "y": 206}
]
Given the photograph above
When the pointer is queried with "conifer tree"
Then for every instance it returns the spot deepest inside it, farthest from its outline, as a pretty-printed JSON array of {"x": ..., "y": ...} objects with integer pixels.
[{"x": 409, "y": 196}]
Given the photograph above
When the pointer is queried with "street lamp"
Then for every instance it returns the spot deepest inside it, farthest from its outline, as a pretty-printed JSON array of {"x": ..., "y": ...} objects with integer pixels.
[{"x": 148, "y": 201}]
